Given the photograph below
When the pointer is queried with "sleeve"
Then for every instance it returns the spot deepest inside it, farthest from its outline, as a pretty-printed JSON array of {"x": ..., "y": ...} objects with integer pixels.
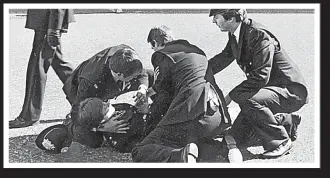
[
  {"x": 143, "y": 79},
  {"x": 162, "y": 65},
  {"x": 85, "y": 90},
  {"x": 262, "y": 60},
  {"x": 56, "y": 18},
  {"x": 222, "y": 60}
]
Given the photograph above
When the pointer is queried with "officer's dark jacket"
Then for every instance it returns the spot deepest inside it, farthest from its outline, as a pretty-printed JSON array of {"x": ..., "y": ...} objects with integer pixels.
[
  {"x": 262, "y": 59},
  {"x": 43, "y": 19},
  {"x": 93, "y": 78},
  {"x": 182, "y": 70}
]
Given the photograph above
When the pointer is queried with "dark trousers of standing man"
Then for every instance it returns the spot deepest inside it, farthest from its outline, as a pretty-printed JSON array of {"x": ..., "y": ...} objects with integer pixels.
[
  {"x": 41, "y": 58},
  {"x": 268, "y": 114}
]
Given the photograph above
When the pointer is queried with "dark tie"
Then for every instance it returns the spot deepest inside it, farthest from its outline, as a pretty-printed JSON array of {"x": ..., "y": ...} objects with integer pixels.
[
  {"x": 234, "y": 45},
  {"x": 120, "y": 84}
]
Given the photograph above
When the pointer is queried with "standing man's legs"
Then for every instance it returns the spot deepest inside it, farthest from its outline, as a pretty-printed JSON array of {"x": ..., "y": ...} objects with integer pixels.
[
  {"x": 34, "y": 78},
  {"x": 40, "y": 59}
]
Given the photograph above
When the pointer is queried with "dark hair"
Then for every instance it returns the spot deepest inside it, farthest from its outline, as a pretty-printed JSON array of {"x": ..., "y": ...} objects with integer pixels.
[
  {"x": 90, "y": 112},
  {"x": 238, "y": 14},
  {"x": 125, "y": 61},
  {"x": 161, "y": 34}
]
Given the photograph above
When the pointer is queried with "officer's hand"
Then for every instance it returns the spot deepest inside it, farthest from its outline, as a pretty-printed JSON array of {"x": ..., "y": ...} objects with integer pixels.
[
  {"x": 141, "y": 97},
  {"x": 53, "y": 37},
  {"x": 143, "y": 108},
  {"x": 114, "y": 125}
]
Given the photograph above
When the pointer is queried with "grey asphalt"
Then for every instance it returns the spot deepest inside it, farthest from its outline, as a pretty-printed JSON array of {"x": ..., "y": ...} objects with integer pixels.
[{"x": 93, "y": 32}]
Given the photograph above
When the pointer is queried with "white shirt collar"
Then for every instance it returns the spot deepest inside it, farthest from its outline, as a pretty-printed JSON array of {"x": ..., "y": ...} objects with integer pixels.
[{"x": 237, "y": 31}]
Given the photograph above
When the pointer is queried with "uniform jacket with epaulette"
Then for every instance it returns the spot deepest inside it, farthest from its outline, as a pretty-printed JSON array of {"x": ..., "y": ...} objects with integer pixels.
[
  {"x": 263, "y": 60},
  {"x": 182, "y": 70}
]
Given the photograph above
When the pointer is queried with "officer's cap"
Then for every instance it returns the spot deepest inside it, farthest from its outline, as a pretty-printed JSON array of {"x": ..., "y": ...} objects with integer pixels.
[{"x": 55, "y": 139}]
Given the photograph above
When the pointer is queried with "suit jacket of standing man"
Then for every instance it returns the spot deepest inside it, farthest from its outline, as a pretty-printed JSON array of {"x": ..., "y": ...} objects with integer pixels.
[
  {"x": 93, "y": 78},
  {"x": 43, "y": 19},
  {"x": 265, "y": 65}
]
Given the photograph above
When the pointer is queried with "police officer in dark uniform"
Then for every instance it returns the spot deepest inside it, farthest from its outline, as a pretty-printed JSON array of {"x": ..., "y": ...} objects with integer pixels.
[
  {"x": 48, "y": 25},
  {"x": 274, "y": 87},
  {"x": 195, "y": 111},
  {"x": 106, "y": 76}
]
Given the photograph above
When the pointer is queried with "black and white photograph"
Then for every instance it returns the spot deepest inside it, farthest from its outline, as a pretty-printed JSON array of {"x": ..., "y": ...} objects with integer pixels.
[{"x": 182, "y": 85}]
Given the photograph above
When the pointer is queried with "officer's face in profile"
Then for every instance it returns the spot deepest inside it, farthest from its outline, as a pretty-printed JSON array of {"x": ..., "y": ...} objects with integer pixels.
[
  {"x": 224, "y": 25},
  {"x": 155, "y": 46},
  {"x": 120, "y": 76}
]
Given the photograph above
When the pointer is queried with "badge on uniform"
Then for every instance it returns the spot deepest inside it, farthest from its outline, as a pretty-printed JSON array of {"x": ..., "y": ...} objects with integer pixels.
[
  {"x": 54, "y": 139},
  {"x": 156, "y": 72}
]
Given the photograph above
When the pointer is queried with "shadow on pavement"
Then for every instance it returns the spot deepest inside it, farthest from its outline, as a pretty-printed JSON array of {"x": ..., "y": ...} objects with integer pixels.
[
  {"x": 51, "y": 120},
  {"x": 22, "y": 149}
]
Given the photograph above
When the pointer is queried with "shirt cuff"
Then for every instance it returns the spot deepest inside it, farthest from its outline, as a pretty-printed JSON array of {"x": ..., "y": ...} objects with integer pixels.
[{"x": 143, "y": 88}]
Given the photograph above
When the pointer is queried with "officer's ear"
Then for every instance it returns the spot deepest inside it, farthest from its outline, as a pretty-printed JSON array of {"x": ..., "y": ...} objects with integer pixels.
[
  {"x": 117, "y": 75},
  {"x": 231, "y": 20},
  {"x": 153, "y": 43},
  {"x": 120, "y": 75}
]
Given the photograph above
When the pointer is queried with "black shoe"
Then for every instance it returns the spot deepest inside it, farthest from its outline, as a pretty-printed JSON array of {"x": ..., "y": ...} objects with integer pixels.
[
  {"x": 19, "y": 122},
  {"x": 281, "y": 150},
  {"x": 190, "y": 150},
  {"x": 296, "y": 119}
]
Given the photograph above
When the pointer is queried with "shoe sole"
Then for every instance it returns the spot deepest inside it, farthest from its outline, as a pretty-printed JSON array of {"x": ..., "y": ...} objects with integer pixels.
[
  {"x": 285, "y": 153},
  {"x": 295, "y": 123},
  {"x": 190, "y": 150},
  {"x": 235, "y": 156}
]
